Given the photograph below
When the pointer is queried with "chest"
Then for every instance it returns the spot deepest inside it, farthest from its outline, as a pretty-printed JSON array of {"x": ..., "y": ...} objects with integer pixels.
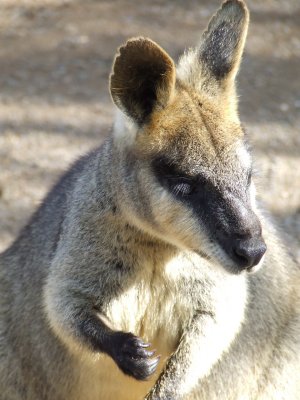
[
  {"x": 158, "y": 306},
  {"x": 161, "y": 300}
]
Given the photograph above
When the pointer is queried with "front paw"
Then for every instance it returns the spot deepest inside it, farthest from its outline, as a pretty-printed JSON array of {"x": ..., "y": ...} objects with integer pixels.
[{"x": 132, "y": 357}]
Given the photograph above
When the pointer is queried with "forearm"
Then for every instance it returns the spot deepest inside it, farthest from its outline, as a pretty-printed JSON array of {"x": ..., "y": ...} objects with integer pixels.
[
  {"x": 196, "y": 354},
  {"x": 80, "y": 322}
]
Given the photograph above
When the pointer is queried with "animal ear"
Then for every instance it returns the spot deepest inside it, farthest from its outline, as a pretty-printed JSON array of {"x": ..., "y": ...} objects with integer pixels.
[
  {"x": 223, "y": 41},
  {"x": 142, "y": 79},
  {"x": 213, "y": 65}
]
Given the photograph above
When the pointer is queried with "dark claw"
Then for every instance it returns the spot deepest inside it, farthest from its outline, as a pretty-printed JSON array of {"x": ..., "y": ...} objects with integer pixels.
[
  {"x": 130, "y": 354},
  {"x": 153, "y": 365},
  {"x": 150, "y": 353}
]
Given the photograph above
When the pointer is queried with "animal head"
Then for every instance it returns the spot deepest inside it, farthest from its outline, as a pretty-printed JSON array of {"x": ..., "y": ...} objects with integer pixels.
[{"x": 186, "y": 171}]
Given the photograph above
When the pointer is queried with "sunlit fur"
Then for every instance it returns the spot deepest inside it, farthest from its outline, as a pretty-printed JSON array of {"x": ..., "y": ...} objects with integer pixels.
[
  {"x": 209, "y": 140},
  {"x": 111, "y": 241}
]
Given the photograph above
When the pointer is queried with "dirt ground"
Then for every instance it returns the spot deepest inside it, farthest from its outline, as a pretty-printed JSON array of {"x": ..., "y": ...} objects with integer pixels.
[{"x": 55, "y": 58}]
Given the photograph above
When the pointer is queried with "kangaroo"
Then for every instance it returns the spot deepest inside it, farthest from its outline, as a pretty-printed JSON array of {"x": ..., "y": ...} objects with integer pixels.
[{"x": 155, "y": 237}]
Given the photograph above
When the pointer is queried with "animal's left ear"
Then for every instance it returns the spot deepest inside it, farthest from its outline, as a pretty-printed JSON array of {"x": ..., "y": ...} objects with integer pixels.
[
  {"x": 216, "y": 61},
  {"x": 223, "y": 42}
]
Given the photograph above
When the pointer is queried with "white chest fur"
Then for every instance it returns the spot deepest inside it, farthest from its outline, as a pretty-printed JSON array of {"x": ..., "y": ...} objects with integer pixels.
[{"x": 158, "y": 308}]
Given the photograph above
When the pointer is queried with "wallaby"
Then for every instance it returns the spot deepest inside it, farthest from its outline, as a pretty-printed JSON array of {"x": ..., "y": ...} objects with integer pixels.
[{"x": 154, "y": 237}]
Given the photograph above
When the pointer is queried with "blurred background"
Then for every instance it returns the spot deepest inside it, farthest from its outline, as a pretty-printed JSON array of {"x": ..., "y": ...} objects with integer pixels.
[{"x": 55, "y": 59}]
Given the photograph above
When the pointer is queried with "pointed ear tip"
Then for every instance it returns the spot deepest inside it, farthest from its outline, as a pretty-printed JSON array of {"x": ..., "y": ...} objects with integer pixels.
[
  {"x": 137, "y": 48},
  {"x": 238, "y": 6},
  {"x": 128, "y": 46},
  {"x": 137, "y": 42},
  {"x": 133, "y": 42}
]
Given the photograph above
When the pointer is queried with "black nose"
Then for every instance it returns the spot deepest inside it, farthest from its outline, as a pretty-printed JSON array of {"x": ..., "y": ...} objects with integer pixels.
[{"x": 248, "y": 252}]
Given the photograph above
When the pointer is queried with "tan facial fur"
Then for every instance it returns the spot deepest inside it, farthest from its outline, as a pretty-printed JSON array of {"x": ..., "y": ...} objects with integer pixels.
[
  {"x": 198, "y": 136},
  {"x": 195, "y": 126}
]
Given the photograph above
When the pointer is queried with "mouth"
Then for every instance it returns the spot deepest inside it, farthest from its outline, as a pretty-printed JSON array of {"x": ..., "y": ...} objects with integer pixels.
[
  {"x": 257, "y": 267},
  {"x": 237, "y": 268},
  {"x": 229, "y": 263}
]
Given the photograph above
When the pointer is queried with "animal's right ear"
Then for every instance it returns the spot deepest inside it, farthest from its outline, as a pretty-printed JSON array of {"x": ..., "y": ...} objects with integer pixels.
[{"x": 142, "y": 79}]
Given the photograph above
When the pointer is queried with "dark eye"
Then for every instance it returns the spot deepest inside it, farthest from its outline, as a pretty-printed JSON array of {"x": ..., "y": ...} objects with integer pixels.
[{"x": 182, "y": 188}]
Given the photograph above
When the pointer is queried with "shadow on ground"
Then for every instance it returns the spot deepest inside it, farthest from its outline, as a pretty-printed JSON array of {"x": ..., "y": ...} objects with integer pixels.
[{"x": 55, "y": 61}]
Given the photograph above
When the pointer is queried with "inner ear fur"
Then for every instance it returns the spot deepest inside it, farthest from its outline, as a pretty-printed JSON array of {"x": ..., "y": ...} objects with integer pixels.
[
  {"x": 142, "y": 78},
  {"x": 223, "y": 41}
]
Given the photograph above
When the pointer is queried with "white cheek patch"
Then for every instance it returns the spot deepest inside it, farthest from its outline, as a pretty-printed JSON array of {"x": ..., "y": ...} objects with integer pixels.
[
  {"x": 124, "y": 129},
  {"x": 244, "y": 157}
]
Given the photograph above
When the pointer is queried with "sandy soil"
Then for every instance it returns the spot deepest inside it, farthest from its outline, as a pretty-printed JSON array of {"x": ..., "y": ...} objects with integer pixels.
[{"x": 55, "y": 58}]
